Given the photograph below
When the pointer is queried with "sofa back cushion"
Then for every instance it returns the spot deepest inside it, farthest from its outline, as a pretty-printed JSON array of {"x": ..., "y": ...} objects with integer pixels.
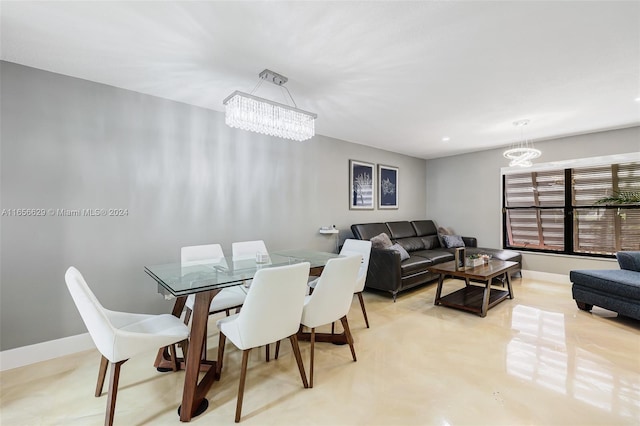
[
  {"x": 366, "y": 231},
  {"x": 411, "y": 243},
  {"x": 401, "y": 230},
  {"x": 430, "y": 242},
  {"x": 424, "y": 227},
  {"x": 629, "y": 260}
]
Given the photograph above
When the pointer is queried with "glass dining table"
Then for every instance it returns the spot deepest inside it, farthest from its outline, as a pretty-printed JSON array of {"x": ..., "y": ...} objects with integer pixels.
[{"x": 205, "y": 280}]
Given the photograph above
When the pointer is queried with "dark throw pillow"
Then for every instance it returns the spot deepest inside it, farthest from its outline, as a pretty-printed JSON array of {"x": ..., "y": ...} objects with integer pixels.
[
  {"x": 452, "y": 241},
  {"x": 403, "y": 253},
  {"x": 381, "y": 241}
]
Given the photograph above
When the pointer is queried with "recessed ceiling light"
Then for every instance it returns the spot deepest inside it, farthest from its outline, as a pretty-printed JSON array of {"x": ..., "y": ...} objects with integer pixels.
[
  {"x": 637, "y": 99},
  {"x": 446, "y": 139}
]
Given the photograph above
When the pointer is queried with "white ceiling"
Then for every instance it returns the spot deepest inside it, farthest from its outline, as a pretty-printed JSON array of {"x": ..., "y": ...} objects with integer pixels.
[{"x": 393, "y": 75}]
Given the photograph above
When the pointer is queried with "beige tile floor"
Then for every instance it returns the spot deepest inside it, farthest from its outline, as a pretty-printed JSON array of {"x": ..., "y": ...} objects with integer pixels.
[{"x": 534, "y": 360}]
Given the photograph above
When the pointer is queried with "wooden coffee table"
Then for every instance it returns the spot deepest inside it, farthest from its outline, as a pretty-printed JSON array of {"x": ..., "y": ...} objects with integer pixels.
[{"x": 474, "y": 298}]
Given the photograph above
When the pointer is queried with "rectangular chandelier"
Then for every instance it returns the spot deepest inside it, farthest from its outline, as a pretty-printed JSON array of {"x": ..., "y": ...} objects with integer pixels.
[{"x": 249, "y": 112}]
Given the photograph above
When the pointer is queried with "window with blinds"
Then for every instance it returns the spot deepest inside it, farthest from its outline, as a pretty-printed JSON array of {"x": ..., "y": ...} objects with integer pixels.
[
  {"x": 605, "y": 228},
  {"x": 563, "y": 210}
]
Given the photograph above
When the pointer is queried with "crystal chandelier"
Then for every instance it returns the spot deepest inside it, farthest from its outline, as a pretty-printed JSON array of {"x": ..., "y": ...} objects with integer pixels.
[
  {"x": 523, "y": 152},
  {"x": 249, "y": 112}
]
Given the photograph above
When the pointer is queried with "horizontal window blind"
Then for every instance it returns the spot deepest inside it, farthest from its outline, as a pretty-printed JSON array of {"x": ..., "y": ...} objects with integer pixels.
[{"x": 539, "y": 206}]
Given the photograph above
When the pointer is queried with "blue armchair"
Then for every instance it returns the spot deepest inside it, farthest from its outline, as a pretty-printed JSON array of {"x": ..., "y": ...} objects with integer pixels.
[{"x": 617, "y": 290}]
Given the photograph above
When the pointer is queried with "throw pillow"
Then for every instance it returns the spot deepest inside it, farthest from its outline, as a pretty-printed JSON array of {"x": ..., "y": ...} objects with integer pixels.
[
  {"x": 629, "y": 260},
  {"x": 381, "y": 241},
  {"x": 452, "y": 241},
  {"x": 443, "y": 231},
  {"x": 403, "y": 253}
]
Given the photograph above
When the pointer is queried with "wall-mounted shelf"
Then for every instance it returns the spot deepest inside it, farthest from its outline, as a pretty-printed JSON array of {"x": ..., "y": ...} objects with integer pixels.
[{"x": 329, "y": 231}]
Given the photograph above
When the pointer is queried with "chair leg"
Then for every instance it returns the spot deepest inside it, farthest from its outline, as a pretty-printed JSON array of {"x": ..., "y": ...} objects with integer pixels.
[
  {"x": 222, "y": 339},
  {"x": 266, "y": 350},
  {"x": 243, "y": 377},
  {"x": 364, "y": 311},
  {"x": 345, "y": 325},
  {"x": 102, "y": 373},
  {"x": 113, "y": 392},
  {"x": 277, "y": 349},
  {"x": 174, "y": 358},
  {"x": 296, "y": 352},
  {"x": 333, "y": 328},
  {"x": 313, "y": 341}
]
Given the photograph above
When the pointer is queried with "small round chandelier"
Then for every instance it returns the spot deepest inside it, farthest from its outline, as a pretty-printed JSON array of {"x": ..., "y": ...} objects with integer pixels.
[{"x": 521, "y": 153}]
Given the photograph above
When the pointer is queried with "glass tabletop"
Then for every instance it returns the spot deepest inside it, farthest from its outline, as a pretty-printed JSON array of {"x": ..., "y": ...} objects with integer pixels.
[{"x": 179, "y": 279}]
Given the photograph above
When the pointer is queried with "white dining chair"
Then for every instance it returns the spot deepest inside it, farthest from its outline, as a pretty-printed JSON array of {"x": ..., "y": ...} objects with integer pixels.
[
  {"x": 271, "y": 311},
  {"x": 356, "y": 247},
  {"x": 331, "y": 300},
  {"x": 120, "y": 335},
  {"x": 227, "y": 298}
]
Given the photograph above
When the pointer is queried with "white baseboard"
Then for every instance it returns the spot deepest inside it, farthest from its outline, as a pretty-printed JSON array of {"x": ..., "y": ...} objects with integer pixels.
[
  {"x": 546, "y": 276},
  {"x": 26, "y": 355}
]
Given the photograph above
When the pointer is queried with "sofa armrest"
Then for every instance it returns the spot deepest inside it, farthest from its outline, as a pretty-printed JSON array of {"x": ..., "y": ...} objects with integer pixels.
[
  {"x": 384, "y": 270},
  {"x": 629, "y": 260},
  {"x": 470, "y": 241}
]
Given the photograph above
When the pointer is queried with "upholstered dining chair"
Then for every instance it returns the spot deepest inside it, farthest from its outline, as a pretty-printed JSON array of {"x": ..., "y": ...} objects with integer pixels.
[
  {"x": 356, "y": 247},
  {"x": 227, "y": 298},
  {"x": 119, "y": 335},
  {"x": 331, "y": 300},
  {"x": 271, "y": 311}
]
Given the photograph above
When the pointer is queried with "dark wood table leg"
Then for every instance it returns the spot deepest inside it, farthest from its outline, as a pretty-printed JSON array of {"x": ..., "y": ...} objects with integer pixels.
[
  {"x": 439, "y": 290},
  {"x": 193, "y": 401},
  {"x": 508, "y": 275},
  {"x": 485, "y": 299}
]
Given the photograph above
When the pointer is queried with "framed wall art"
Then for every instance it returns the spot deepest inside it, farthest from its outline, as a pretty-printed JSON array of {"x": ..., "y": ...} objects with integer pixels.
[
  {"x": 387, "y": 187},
  {"x": 361, "y": 185}
]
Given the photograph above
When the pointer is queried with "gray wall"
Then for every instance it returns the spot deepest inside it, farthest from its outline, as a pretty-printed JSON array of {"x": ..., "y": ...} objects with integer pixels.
[
  {"x": 185, "y": 178},
  {"x": 464, "y": 191}
]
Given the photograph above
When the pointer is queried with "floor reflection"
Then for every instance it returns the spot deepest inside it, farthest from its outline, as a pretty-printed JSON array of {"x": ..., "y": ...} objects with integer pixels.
[{"x": 540, "y": 353}]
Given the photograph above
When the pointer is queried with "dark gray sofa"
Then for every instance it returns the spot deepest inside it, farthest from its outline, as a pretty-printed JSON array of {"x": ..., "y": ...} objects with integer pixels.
[
  {"x": 617, "y": 290},
  {"x": 420, "y": 239}
]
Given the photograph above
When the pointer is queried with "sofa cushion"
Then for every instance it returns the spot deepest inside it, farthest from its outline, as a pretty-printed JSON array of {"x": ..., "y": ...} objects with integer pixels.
[
  {"x": 424, "y": 227},
  {"x": 621, "y": 282},
  {"x": 452, "y": 241},
  {"x": 629, "y": 260},
  {"x": 381, "y": 241},
  {"x": 436, "y": 256},
  {"x": 403, "y": 253},
  {"x": 402, "y": 229},
  {"x": 430, "y": 242},
  {"x": 414, "y": 264},
  {"x": 411, "y": 244},
  {"x": 366, "y": 231}
]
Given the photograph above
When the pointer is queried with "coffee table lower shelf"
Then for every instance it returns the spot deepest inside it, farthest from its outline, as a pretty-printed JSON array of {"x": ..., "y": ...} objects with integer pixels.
[{"x": 470, "y": 298}]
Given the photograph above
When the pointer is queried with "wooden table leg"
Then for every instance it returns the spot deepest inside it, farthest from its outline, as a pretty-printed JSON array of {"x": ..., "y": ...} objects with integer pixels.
[
  {"x": 485, "y": 299},
  {"x": 508, "y": 274},
  {"x": 439, "y": 290},
  {"x": 192, "y": 397}
]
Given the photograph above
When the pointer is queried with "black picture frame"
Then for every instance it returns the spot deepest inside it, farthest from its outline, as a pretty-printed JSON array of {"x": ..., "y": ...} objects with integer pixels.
[
  {"x": 362, "y": 184},
  {"x": 387, "y": 187}
]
